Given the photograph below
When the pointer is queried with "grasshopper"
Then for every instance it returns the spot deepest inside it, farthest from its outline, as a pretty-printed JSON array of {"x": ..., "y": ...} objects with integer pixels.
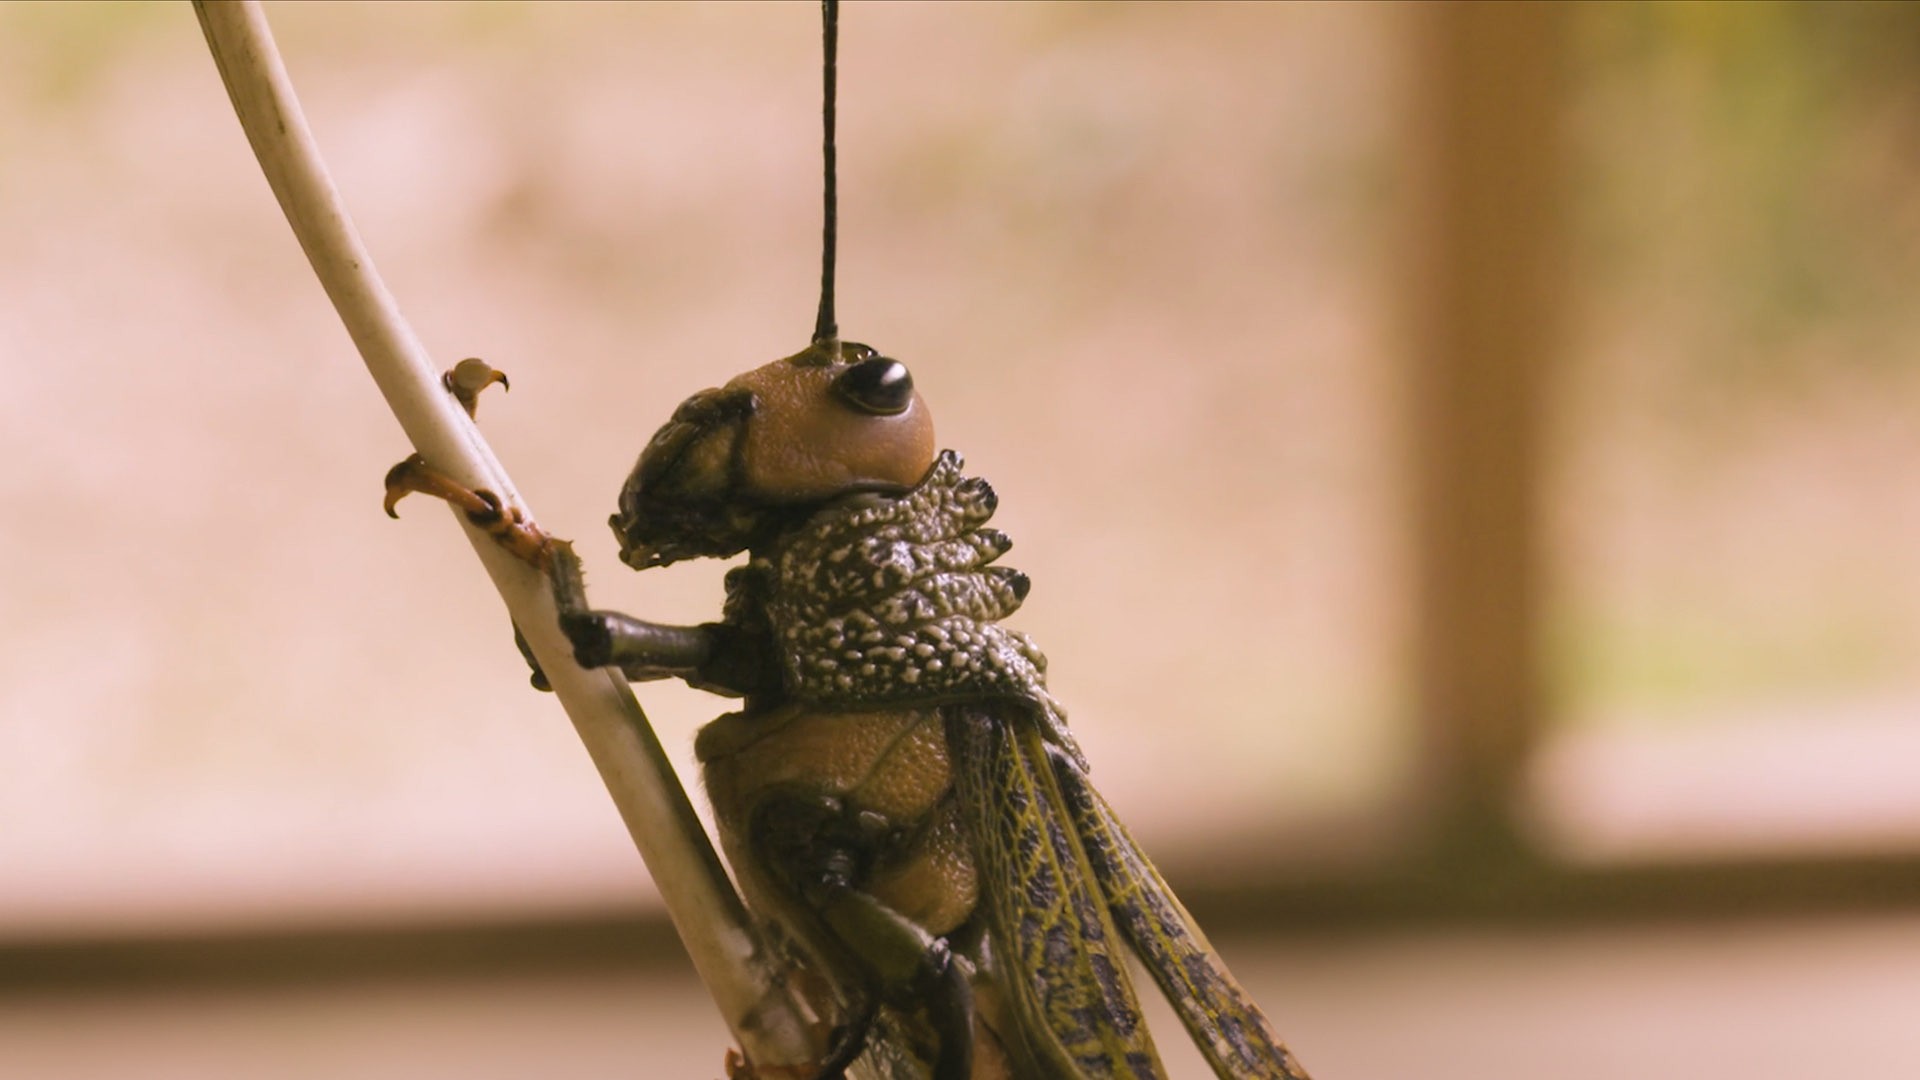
[{"x": 899, "y": 795}]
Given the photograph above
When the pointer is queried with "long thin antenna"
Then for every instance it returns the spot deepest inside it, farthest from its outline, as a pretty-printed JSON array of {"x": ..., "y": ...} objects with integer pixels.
[{"x": 825, "y": 329}]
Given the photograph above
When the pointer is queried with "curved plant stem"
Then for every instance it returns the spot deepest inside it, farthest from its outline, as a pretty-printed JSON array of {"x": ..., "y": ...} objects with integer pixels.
[{"x": 731, "y": 960}]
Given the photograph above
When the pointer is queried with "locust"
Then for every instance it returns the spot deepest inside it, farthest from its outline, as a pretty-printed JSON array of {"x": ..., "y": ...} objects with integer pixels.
[{"x": 899, "y": 796}]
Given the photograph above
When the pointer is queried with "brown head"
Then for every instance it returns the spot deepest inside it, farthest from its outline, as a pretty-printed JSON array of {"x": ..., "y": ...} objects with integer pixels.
[{"x": 736, "y": 462}]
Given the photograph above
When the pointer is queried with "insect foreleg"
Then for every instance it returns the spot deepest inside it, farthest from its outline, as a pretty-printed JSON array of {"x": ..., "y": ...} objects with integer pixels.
[
  {"x": 711, "y": 656},
  {"x": 643, "y": 650}
]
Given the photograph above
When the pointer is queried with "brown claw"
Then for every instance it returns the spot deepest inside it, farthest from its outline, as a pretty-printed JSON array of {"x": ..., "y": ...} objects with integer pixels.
[
  {"x": 511, "y": 528},
  {"x": 414, "y": 474},
  {"x": 467, "y": 378},
  {"x": 739, "y": 1068},
  {"x": 831, "y": 1067}
]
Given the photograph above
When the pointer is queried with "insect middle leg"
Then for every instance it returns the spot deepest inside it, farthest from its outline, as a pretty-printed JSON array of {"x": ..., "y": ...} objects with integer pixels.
[
  {"x": 641, "y": 649},
  {"x": 710, "y": 656},
  {"x": 822, "y": 850}
]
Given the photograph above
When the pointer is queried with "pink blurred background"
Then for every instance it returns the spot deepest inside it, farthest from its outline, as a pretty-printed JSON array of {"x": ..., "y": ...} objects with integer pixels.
[{"x": 1147, "y": 263}]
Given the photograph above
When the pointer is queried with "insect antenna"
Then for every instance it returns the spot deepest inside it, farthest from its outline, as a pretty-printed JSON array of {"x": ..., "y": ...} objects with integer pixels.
[{"x": 825, "y": 330}]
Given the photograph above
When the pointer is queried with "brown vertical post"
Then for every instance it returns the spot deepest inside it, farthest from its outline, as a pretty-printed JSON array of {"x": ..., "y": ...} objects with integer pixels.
[{"x": 1483, "y": 300}]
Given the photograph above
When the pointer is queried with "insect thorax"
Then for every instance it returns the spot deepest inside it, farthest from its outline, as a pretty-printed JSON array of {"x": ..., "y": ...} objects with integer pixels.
[{"x": 891, "y": 600}]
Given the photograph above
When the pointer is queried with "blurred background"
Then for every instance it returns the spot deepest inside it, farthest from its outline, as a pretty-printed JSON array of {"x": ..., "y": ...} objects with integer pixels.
[{"x": 1463, "y": 454}]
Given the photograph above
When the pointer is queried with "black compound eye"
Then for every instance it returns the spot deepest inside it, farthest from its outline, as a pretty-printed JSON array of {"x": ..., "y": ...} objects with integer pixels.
[{"x": 880, "y": 386}]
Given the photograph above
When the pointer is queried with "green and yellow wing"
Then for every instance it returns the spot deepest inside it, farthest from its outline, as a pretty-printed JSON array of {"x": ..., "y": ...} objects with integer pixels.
[
  {"x": 1224, "y": 1022},
  {"x": 1058, "y": 954}
]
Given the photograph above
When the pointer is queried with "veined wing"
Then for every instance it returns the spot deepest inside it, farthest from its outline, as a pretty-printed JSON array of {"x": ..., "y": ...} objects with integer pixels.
[
  {"x": 1224, "y": 1022},
  {"x": 1061, "y": 960}
]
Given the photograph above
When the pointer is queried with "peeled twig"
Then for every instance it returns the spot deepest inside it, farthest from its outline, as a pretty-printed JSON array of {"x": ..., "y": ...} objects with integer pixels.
[{"x": 726, "y": 950}]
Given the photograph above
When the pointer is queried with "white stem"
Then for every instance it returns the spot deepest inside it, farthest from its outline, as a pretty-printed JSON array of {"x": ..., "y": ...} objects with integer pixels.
[{"x": 731, "y": 960}]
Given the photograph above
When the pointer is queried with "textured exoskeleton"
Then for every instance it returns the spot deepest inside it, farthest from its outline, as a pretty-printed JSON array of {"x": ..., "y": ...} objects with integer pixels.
[{"x": 899, "y": 795}]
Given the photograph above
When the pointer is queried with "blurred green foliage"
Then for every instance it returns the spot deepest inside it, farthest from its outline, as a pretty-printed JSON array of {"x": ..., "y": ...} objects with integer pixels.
[
  {"x": 1749, "y": 166},
  {"x": 1736, "y": 524},
  {"x": 1634, "y": 666}
]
